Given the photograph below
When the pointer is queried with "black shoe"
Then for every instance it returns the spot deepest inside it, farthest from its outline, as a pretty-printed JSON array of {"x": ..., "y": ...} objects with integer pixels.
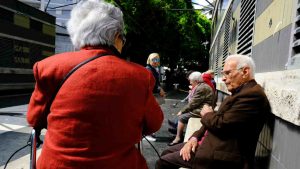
[
  {"x": 172, "y": 130},
  {"x": 172, "y": 124}
]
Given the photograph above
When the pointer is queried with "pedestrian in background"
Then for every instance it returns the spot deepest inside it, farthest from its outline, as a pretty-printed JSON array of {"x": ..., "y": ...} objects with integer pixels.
[
  {"x": 101, "y": 111},
  {"x": 153, "y": 63},
  {"x": 212, "y": 75},
  {"x": 232, "y": 131}
]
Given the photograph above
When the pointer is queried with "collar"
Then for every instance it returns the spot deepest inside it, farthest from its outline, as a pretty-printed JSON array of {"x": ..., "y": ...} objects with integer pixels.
[
  {"x": 111, "y": 50},
  {"x": 151, "y": 67},
  {"x": 238, "y": 89}
]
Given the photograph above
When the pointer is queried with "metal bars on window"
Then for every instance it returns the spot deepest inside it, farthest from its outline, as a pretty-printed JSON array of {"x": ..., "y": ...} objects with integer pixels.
[{"x": 246, "y": 27}]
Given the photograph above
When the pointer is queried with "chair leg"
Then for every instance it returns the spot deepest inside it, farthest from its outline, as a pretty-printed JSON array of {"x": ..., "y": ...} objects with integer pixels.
[{"x": 33, "y": 150}]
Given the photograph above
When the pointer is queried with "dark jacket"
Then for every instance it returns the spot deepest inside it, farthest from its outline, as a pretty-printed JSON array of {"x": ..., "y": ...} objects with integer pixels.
[
  {"x": 233, "y": 131},
  {"x": 156, "y": 88}
]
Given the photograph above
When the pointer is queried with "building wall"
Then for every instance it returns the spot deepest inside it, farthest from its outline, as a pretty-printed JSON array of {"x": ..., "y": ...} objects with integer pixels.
[
  {"x": 272, "y": 53},
  {"x": 27, "y": 35},
  {"x": 285, "y": 151},
  {"x": 62, "y": 14},
  {"x": 61, "y": 9}
]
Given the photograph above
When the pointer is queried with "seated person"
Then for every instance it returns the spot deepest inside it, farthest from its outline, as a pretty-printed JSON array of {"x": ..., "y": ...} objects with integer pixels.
[
  {"x": 228, "y": 136},
  {"x": 207, "y": 79},
  {"x": 199, "y": 95}
]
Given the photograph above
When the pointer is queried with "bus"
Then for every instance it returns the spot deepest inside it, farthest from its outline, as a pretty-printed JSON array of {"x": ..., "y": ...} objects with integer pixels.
[
  {"x": 27, "y": 35},
  {"x": 269, "y": 32}
]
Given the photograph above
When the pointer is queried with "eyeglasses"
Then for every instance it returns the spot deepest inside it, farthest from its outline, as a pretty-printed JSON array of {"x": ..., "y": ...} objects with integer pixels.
[
  {"x": 228, "y": 72},
  {"x": 155, "y": 60}
]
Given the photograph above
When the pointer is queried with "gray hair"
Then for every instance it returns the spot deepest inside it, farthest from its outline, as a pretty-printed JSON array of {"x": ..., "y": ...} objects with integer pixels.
[
  {"x": 196, "y": 77},
  {"x": 242, "y": 61},
  {"x": 95, "y": 22}
]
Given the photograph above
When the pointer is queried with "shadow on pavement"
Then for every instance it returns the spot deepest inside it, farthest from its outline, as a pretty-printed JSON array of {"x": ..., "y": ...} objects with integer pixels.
[{"x": 163, "y": 136}]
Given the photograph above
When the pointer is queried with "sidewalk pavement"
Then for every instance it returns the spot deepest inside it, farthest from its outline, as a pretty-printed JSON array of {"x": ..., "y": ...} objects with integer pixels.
[
  {"x": 170, "y": 109},
  {"x": 163, "y": 136},
  {"x": 12, "y": 118}
]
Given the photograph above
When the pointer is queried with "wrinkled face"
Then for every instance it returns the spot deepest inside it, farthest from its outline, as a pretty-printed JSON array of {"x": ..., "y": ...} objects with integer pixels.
[
  {"x": 193, "y": 83},
  {"x": 234, "y": 77}
]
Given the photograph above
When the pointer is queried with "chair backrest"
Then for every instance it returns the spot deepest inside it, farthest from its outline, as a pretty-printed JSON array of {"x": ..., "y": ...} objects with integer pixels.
[{"x": 193, "y": 125}]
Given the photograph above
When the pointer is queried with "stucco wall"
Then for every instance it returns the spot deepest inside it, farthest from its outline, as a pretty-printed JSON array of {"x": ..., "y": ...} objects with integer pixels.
[{"x": 283, "y": 90}]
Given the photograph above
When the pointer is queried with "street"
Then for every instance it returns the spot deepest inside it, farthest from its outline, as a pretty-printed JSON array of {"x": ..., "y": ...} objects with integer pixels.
[{"x": 14, "y": 131}]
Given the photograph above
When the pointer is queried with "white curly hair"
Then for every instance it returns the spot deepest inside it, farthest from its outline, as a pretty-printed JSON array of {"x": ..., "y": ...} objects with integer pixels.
[
  {"x": 95, "y": 22},
  {"x": 196, "y": 77}
]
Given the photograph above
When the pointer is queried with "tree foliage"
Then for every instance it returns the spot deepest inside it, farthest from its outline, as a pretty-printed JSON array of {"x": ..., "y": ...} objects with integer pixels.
[{"x": 181, "y": 36}]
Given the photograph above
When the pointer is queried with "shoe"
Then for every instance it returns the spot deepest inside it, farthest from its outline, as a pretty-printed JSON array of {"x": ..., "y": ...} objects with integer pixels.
[
  {"x": 172, "y": 130},
  {"x": 172, "y": 124},
  {"x": 150, "y": 138},
  {"x": 174, "y": 143}
]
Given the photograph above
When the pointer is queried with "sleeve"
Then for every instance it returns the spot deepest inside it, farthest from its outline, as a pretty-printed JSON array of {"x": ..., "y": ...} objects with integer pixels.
[
  {"x": 242, "y": 115},
  {"x": 199, "y": 133},
  {"x": 153, "y": 116},
  {"x": 197, "y": 100},
  {"x": 36, "y": 115}
]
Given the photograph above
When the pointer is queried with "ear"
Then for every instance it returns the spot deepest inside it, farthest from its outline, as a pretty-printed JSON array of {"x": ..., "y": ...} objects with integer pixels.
[
  {"x": 117, "y": 36},
  {"x": 118, "y": 43},
  {"x": 246, "y": 72}
]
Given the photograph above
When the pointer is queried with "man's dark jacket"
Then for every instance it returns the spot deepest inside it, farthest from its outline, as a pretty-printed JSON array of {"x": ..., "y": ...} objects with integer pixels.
[{"x": 233, "y": 131}]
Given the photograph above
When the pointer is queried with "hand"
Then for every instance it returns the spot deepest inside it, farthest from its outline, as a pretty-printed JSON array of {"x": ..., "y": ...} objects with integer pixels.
[
  {"x": 179, "y": 113},
  {"x": 162, "y": 93},
  {"x": 206, "y": 109},
  {"x": 188, "y": 148}
]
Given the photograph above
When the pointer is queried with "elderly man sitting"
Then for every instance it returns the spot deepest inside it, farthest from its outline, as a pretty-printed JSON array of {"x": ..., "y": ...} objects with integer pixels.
[{"x": 229, "y": 136}]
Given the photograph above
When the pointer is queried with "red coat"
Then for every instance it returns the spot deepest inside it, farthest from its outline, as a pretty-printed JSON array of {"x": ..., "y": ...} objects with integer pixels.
[
  {"x": 207, "y": 79},
  {"x": 99, "y": 113}
]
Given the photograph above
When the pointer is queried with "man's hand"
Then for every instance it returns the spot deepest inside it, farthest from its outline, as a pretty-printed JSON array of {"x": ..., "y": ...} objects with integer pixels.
[
  {"x": 188, "y": 148},
  {"x": 206, "y": 109},
  {"x": 179, "y": 113}
]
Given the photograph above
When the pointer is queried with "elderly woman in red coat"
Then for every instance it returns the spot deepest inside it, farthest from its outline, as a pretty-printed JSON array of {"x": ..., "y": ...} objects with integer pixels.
[{"x": 104, "y": 107}]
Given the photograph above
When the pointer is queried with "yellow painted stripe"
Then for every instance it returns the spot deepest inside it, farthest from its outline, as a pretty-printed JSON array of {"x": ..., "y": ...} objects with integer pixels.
[
  {"x": 22, "y": 21},
  {"x": 277, "y": 16},
  {"x": 49, "y": 29}
]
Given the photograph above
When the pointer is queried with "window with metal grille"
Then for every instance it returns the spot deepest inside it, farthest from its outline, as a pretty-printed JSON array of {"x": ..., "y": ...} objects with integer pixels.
[
  {"x": 226, "y": 35},
  {"x": 218, "y": 53},
  {"x": 294, "y": 60},
  {"x": 295, "y": 55},
  {"x": 246, "y": 27}
]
